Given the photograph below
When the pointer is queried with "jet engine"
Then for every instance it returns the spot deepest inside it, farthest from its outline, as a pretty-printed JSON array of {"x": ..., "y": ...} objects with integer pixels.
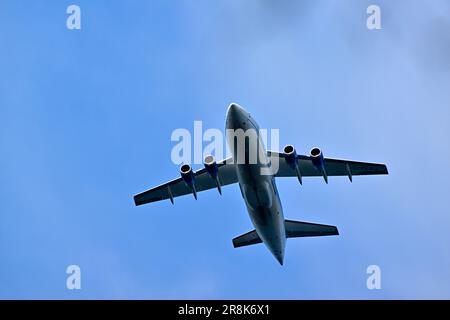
[
  {"x": 211, "y": 166},
  {"x": 290, "y": 155},
  {"x": 213, "y": 169},
  {"x": 189, "y": 178},
  {"x": 319, "y": 162}
]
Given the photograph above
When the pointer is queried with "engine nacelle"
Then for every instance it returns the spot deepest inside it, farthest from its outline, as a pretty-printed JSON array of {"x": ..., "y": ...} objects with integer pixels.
[
  {"x": 211, "y": 166},
  {"x": 317, "y": 157},
  {"x": 213, "y": 169},
  {"x": 188, "y": 177},
  {"x": 318, "y": 162},
  {"x": 187, "y": 174},
  {"x": 290, "y": 155}
]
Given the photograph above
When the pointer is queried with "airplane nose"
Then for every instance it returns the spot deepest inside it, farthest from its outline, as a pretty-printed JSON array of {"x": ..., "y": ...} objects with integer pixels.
[
  {"x": 234, "y": 114},
  {"x": 234, "y": 109}
]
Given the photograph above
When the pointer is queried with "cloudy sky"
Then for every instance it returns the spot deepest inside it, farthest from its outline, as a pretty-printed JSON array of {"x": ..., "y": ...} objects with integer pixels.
[{"x": 86, "y": 118}]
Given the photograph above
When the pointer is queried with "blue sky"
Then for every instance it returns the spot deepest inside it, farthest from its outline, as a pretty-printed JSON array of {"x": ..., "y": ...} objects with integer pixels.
[{"x": 86, "y": 117}]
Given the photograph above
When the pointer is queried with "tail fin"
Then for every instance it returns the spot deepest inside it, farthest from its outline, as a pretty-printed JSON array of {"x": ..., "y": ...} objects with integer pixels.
[{"x": 295, "y": 229}]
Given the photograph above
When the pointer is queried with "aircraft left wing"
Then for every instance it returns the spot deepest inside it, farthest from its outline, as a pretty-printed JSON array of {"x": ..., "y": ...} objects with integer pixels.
[{"x": 226, "y": 174}]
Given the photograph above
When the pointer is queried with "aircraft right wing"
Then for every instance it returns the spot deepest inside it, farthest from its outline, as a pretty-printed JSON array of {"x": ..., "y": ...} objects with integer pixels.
[{"x": 333, "y": 167}]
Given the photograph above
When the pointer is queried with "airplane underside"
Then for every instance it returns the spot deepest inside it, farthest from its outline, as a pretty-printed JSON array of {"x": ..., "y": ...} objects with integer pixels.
[{"x": 259, "y": 189}]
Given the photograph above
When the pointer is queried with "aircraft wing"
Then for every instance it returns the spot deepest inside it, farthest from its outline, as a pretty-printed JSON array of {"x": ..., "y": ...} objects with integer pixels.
[
  {"x": 333, "y": 167},
  {"x": 177, "y": 187}
]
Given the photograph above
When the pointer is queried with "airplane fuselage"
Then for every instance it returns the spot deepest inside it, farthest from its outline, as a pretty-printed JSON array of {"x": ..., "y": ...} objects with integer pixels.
[{"x": 257, "y": 185}]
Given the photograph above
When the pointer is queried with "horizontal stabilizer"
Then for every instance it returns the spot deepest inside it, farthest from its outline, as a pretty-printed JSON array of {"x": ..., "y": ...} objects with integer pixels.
[
  {"x": 247, "y": 239},
  {"x": 295, "y": 229}
]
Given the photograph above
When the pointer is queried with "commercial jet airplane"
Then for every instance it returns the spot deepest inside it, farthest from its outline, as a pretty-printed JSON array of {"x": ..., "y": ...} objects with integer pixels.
[{"x": 259, "y": 190}]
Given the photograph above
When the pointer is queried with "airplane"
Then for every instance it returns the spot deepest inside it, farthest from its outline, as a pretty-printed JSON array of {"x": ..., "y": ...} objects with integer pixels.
[{"x": 258, "y": 190}]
